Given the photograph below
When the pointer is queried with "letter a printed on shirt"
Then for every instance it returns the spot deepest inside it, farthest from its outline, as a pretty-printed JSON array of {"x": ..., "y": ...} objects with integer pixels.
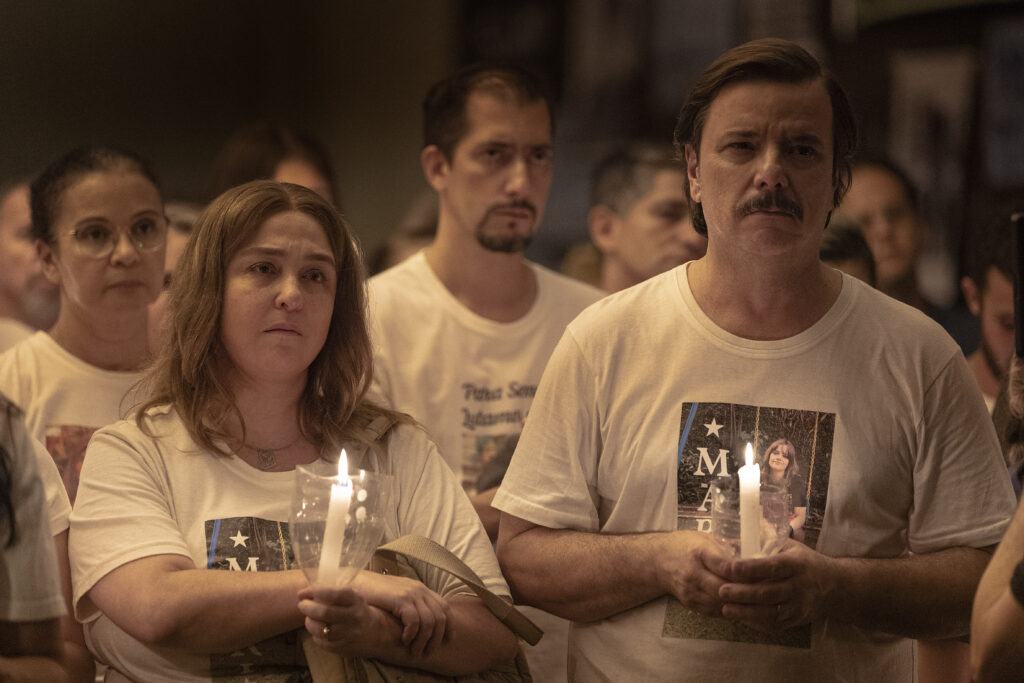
[
  {"x": 251, "y": 544},
  {"x": 712, "y": 443}
]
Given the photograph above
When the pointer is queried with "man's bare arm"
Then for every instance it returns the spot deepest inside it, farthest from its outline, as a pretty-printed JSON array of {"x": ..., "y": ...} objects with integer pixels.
[
  {"x": 489, "y": 516},
  {"x": 587, "y": 576}
]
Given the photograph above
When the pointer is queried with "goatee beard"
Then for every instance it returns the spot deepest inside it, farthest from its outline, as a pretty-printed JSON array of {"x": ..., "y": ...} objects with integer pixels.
[{"x": 504, "y": 243}]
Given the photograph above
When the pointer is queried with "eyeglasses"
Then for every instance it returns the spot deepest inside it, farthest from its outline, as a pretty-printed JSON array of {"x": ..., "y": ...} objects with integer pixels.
[{"x": 98, "y": 241}]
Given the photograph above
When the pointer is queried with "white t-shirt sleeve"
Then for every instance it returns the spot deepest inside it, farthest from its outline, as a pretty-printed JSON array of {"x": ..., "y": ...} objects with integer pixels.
[
  {"x": 962, "y": 493},
  {"x": 551, "y": 480},
  {"x": 123, "y": 510},
  {"x": 431, "y": 503},
  {"x": 28, "y": 568},
  {"x": 58, "y": 505}
]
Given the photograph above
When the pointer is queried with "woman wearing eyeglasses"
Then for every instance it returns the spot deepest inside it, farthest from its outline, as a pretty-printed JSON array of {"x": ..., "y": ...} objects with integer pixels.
[{"x": 98, "y": 221}]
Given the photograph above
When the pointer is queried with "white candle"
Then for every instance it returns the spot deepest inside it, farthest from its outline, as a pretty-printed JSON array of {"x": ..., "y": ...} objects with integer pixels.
[
  {"x": 750, "y": 506},
  {"x": 334, "y": 532}
]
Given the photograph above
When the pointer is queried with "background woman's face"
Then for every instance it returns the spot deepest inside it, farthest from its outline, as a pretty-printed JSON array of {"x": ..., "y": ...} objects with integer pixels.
[{"x": 128, "y": 278}]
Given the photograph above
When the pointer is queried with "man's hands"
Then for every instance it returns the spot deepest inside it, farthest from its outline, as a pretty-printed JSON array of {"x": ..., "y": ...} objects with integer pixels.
[
  {"x": 691, "y": 566},
  {"x": 790, "y": 588}
]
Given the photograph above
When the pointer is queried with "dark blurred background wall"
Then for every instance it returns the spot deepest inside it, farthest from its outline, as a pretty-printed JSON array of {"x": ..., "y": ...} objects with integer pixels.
[{"x": 939, "y": 84}]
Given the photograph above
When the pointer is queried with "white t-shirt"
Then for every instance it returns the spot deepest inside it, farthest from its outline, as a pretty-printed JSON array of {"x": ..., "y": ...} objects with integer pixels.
[
  {"x": 64, "y": 398},
  {"x": 12, "y": 331},
  {"x": 142, "y": 496},
  {"x": 469, "y": 380},
  {"x": 645, "y": 400},
  {"x": 28, "y": 568}
]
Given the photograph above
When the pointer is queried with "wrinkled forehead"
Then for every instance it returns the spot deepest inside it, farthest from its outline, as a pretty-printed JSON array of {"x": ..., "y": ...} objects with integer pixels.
[{"x": 801, "y": 109}]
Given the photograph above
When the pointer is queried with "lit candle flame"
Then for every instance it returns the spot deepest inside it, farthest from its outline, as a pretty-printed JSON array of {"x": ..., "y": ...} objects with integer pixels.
[
  {"x": 343, "y": 468},
  {"x": 749, "y": 454}
]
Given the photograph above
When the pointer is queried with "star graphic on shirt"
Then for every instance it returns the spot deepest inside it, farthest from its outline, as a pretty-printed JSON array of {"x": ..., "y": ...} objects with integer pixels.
[
  {"x": 239, "y": 540},
  {"x": 713, "y": 426}
]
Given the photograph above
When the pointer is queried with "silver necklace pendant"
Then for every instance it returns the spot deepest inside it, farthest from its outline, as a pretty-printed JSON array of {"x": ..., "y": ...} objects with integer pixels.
[{"x": 265, "y": 459}]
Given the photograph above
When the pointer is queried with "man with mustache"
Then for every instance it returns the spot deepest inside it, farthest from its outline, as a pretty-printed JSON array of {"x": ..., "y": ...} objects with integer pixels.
[
  {"x": 654, "y": 394},
  {"x": 463, "y": 329},
  {"x": 28, "y": 301}
]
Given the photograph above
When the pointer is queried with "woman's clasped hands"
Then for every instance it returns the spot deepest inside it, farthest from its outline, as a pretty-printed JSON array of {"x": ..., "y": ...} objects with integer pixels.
[{"x": 338, "y": 618}]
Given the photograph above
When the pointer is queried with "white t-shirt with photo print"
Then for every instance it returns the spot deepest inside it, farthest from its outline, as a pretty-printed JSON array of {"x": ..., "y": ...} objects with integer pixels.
[
  {"x": 469, "y": 380},
  {"x": 914, "y": 461},
  {"x": 142, "y": 496},
  {"x": 64, "y": 398}
]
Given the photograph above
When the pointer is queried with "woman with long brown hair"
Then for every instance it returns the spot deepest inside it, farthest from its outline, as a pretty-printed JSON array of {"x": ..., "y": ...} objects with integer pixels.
[
  {"x": 265, "y": 369},
  {"x": 780, "y": 468}
]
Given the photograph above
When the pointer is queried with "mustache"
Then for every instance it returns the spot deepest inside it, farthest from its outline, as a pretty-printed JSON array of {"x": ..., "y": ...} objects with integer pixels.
[
  {"x": 773, "y": 200},
  {"x": 518, "y": 204}
]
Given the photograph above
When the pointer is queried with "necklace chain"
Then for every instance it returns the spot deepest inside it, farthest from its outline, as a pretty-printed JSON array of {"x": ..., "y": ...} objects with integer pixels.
[{"x": 266, "y": 458}]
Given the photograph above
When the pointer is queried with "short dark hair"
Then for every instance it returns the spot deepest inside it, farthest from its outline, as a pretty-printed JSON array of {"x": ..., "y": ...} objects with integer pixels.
[
  {"x": 892, "y": 168},
  {"x": 771, "y": 60},
  {"x": 444, "y": 108},
  {"x": 254, "y": 151},
  {"x": 627, "y": 173},
  {"x": 990, "y": 244},
  {"x": 844, "y": 241},
  {"x": 48, "y": 189}
]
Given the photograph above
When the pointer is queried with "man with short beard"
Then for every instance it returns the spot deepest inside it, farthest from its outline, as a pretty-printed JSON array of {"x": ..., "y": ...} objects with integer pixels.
[
  {"x": 988, "y": 290},
  {"x": 463, "y": 329}
]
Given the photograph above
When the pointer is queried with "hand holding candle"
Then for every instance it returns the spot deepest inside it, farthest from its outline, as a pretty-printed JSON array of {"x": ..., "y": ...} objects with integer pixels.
[
  {"x": 329, "y": 572},
  {"x": 750, "y": 506}
]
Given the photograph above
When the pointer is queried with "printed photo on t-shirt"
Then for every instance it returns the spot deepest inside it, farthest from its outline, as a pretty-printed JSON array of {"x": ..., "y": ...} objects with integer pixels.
[
  {"x": 252, "y": 544},
  {"x": 786, "y": 479},
  {"x": 66, "y": 445},
  {"x": 485, "y": 457}
]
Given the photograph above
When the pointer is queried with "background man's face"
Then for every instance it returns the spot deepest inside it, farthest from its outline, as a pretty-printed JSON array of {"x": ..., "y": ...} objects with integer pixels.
[
  {"x": 656, "y": 233},
  {"x": 764, "y": 173},
  {"x": 994, "y": 307},
  {"x": 892, "y": 228},
  {"x": 21, "y": 271},
  {"x": 497, "y": 182}
]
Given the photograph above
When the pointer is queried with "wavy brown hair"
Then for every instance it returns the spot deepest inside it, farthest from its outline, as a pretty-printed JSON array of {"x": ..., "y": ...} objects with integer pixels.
[{"x": 189, "y": 371}]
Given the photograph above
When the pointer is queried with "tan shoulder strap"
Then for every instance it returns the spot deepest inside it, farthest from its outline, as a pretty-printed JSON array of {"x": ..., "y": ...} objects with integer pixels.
[
  {"x": 425, "y": 550},
  {"x": 379, "y": 426}
]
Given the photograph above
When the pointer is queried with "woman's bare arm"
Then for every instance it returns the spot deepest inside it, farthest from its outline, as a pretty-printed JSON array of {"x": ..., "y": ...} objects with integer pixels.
[{"x": 164, "y": 600}]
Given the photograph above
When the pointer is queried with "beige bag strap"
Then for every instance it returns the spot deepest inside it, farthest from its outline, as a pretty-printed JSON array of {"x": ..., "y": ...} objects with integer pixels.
[{"x": 425, "y": 550}]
